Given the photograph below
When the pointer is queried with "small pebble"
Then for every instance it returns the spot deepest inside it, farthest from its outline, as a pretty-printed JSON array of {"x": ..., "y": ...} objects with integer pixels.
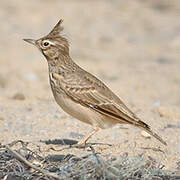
[
  {"x": 30, "y": 76},
  {"x": 19, "y": 96},
  {"x": 156, "y": 103},
  {"x": 169, "y": 112},
  {"x": 3, "y": 82},
  {"x": 1, "y": 118},
  {"x": 145, "y": 134},
  {"x": 37, "y": 163}
]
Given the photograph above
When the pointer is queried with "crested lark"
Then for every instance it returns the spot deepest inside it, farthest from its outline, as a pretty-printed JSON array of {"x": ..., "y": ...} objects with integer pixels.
[{"x": 78, "y": 92}]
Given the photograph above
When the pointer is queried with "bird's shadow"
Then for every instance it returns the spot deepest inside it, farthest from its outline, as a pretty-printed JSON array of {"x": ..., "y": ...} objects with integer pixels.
[
  {"x": 71, "y": 143},
  {"x": 63, "y": 142}
]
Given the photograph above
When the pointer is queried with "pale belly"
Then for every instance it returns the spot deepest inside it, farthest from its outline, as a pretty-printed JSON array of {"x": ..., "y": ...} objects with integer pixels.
[{"x": 83, "y": 113}]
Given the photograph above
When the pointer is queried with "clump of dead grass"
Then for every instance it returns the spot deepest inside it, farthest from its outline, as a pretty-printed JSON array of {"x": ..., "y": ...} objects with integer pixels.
[{"x": 25, "y": 163}]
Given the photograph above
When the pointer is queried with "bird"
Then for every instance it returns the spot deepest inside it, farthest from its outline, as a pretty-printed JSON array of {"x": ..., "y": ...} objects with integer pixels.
[{"x": 81, "y": 94}]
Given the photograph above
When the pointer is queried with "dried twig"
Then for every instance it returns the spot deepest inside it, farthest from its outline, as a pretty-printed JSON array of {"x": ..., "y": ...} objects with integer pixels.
[
  {"x": 154, "y": 149},
  {"x": 18, "y": 156},
  {"x": 78, "y": 146}
]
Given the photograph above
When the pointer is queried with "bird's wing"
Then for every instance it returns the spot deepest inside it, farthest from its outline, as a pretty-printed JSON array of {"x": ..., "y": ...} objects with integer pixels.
[{"x": 92, "y": 93}]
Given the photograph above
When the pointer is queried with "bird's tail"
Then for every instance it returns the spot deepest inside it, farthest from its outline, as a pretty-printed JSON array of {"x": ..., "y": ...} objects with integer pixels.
[{"x": 147, "y": 128}]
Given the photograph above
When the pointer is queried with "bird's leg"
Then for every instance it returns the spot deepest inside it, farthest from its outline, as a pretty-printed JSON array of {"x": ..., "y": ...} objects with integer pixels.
[{"x": 85, "y": 138}]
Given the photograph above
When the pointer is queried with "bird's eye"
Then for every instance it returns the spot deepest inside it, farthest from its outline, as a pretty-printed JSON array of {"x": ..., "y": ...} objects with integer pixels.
[{"x": 45, "y": 44}]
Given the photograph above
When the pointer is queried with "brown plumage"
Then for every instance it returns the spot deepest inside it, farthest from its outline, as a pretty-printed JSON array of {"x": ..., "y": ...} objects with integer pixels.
[{"x": 81, "y": 94}]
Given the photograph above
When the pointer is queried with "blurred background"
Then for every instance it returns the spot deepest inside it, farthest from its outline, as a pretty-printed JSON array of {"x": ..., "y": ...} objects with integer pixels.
[{"x": 133, "y": 46}]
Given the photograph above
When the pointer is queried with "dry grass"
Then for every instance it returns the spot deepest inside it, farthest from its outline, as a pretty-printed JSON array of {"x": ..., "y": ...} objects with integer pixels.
[{"x": 21, "y": 162}]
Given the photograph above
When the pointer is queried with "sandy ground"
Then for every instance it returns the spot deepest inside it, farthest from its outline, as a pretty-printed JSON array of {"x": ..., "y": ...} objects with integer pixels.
[{"x": 133, "y": 46}]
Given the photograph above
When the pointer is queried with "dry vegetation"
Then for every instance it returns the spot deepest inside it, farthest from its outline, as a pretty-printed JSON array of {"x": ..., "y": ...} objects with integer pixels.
[{"x": 24, "y": 163}]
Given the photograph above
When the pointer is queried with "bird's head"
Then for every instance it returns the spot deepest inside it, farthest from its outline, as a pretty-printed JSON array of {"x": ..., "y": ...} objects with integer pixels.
[{"x": 52, "y": 45}]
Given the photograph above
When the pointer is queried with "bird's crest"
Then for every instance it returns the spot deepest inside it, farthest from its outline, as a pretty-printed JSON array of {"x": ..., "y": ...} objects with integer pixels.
[{"x": 58, "y": 28}]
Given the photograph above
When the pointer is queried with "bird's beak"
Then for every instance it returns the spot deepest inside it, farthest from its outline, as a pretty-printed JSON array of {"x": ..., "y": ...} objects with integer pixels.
[{"x": 31, "y": 41}]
